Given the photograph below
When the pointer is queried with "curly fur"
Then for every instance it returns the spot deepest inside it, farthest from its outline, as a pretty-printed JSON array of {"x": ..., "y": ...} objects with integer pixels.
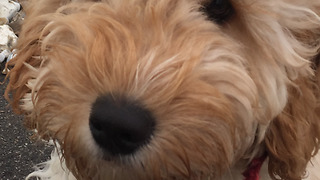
[{"x": 221, "y": 94}]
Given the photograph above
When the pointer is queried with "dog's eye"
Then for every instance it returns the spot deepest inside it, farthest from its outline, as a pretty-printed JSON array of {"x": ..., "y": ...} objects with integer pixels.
[{"x": 219, "y": 11}]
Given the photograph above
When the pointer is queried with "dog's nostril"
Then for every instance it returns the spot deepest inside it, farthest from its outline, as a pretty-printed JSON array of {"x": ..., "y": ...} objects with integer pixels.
[{"x": 120, "y": 126}]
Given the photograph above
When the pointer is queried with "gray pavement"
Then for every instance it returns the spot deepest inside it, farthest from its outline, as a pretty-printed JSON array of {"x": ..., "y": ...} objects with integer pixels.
[{"x": 18, "y": 154}]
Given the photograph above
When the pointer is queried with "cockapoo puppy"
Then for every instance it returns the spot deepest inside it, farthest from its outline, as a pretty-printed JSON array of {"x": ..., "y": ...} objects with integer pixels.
[{"x": 171, "y": 89}]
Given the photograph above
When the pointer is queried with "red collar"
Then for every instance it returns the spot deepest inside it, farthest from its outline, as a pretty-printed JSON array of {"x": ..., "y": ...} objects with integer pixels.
[{"x": 253, "y": 169}]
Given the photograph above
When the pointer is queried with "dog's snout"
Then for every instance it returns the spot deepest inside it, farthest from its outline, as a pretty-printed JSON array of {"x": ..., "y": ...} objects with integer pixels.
[{"x": 120, "y": 126}]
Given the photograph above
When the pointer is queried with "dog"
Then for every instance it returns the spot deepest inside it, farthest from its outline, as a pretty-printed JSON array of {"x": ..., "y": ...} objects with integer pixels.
[{"x": 165, "y": 89}]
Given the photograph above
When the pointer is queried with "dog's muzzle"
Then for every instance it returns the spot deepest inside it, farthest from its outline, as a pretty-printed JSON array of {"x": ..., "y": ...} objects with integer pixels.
[{"x": 120, "y": 126}]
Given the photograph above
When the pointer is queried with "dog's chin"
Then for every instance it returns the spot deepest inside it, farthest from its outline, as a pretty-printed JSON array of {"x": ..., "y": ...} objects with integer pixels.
[{"x": 117, "y": 160}]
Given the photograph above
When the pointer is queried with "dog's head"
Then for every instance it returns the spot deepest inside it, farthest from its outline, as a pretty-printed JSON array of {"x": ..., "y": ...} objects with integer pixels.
[{"x": 170, "y": 89}]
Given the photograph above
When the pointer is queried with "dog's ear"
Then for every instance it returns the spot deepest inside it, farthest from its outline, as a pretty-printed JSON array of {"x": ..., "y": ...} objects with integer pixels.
[
  {"x": 293, "y": 137},
  {"x": 24, "y": 65},
  {"x": 28, "y": 57},
  {"x": 26, "y": 62}
]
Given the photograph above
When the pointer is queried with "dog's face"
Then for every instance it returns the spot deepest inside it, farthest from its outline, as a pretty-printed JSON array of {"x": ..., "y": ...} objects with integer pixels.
[{"x": 160, "y": 89}]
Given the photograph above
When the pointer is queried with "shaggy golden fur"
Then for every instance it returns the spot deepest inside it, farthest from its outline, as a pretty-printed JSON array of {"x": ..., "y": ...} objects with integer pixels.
[{"x": 221, "y": 94}]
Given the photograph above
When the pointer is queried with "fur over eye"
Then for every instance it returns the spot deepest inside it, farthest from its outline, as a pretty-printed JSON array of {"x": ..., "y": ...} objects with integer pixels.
[{"x": 219, "y": 11}]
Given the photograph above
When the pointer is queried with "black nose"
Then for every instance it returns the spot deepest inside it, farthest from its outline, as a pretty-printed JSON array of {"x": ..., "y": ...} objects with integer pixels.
[{"x": 120, "y": 126}]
